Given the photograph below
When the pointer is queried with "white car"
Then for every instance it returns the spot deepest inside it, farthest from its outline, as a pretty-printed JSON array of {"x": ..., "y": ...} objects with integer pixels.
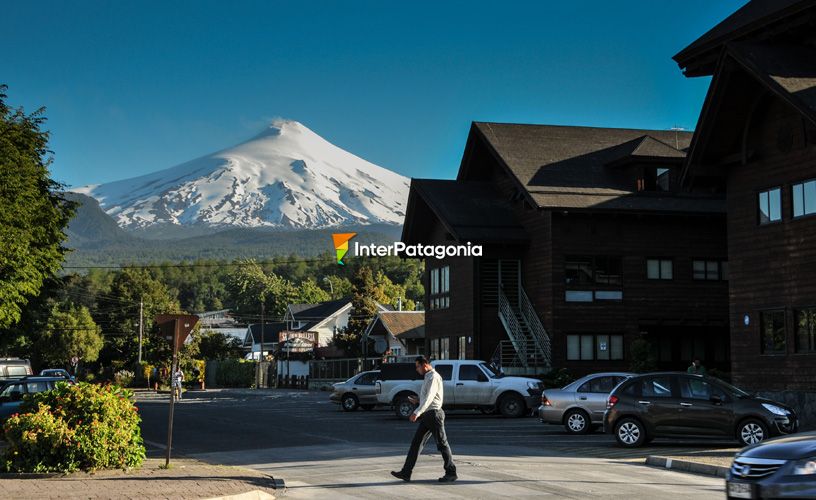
[{"x": 467, "y": 384}]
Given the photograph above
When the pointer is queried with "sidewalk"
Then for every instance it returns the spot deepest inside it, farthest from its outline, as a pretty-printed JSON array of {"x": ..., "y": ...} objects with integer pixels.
[{"x": 185, "y": 479}]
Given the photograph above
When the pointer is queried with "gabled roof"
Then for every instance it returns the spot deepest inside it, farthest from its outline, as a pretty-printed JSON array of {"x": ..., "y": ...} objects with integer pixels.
[
  {"x": 756, "y": 20},
  {"x": 314, "y": 314},
  {"x": 788, "y": 72},
  {"x": 565, "y": 167},
  {"x": 404, "y": 324},
  {"x": 270, "y": 332},
  {"x": 470, "y": 211}
]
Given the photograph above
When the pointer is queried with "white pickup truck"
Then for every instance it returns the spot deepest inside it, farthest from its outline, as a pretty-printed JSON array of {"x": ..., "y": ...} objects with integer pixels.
[{"x": 470, "y": 384}]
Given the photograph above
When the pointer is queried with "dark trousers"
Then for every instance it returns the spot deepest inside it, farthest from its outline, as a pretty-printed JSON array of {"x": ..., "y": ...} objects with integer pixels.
[{"x": 430, "y": 423}]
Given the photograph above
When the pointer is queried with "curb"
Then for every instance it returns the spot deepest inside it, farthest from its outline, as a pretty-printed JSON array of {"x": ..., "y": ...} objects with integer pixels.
[{"x": 687, "y": 466}]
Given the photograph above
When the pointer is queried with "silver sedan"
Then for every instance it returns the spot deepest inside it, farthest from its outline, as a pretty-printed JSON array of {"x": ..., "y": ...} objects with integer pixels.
[
  {"x": 356, "y": 392},
  {"x": 580, "y": 406}
]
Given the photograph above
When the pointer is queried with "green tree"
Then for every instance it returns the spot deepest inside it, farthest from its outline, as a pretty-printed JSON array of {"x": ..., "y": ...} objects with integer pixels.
[
  {"x": 34, "y": 213},
  {"x": 308, "y": 292},
  {"x": 70, "y": 331},
  {"x": 119, "y": 315},
  {"x": 364, "y": 308},
  {"x": 216, "y": 345}
]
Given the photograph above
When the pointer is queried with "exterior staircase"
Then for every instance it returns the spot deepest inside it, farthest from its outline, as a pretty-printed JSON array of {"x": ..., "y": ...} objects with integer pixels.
[{"x": 527, "y": 350}]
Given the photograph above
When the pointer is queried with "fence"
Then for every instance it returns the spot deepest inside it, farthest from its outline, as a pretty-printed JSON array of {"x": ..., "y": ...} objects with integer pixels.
[{"x": 326, "y": 371}]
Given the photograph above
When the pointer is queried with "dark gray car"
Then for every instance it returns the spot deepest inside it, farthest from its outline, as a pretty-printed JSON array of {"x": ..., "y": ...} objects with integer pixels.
[
  {"x": 784, "y": 467},
  {"x": 356, "y": 392}
]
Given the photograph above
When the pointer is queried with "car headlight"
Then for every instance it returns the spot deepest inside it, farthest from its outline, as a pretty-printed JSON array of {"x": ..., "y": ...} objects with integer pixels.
[
  {"x": 806, "y": 467},
  {"x": 776, "y": 410}
]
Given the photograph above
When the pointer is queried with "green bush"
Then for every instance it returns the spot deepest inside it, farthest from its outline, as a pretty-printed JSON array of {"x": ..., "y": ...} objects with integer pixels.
[
  {"x": 642, "y": 356},
  {"x": 83, "y": 426},
  {"x": 235, "y": 373},
  {"x": 556, "y": 379}
]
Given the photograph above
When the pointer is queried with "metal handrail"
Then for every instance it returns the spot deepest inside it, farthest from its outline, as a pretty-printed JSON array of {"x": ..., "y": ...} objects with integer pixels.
[
  {"x": 512, "y": 325},
  {"x": 540, "y": 336}
]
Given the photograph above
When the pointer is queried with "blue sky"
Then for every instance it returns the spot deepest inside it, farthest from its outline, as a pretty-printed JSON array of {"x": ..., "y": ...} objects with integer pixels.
[{"x": 133, "y": 87}]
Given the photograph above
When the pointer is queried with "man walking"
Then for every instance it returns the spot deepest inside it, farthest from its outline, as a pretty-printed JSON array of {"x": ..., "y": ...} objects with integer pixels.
[
  {"x": 696, "y": 367},
  {"x": 431, "y": 422}
]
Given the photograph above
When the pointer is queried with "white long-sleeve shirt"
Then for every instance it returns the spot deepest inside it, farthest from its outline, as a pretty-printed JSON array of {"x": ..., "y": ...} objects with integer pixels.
[{"x": 430, "y": 397}]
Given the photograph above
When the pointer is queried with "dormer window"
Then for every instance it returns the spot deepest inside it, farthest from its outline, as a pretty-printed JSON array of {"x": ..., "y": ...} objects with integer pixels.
[{"x": 655, "y": 179}]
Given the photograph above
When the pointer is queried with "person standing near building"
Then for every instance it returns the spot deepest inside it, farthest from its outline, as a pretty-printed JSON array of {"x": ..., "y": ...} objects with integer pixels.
[
  {"x": 696, "y": 368},
  {"x": 431, "y": 419},
  {"x": 178, "y": 378}
]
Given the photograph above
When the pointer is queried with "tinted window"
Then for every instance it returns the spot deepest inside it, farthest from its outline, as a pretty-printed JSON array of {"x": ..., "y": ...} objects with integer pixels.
[
  {"x": 694, "y": 388},
  {"x": 470, "y": 372},
  {"x": 599, "y": 384},
  {"x": 444, "y": 371},
  {"x": 37, "y": 387},
  {"x": 656, "y": 387},
  {"x": 12, "y": 391},
  {"x": 366, "y": 379},
  {"x": 16, "y": 371}
]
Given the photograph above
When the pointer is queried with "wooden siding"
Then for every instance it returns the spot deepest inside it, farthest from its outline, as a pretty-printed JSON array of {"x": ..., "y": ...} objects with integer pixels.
[{"x": 773, "y": 266}]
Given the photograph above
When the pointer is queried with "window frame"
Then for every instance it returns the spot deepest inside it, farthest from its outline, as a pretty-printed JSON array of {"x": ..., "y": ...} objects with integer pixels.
[
  {"x": 660, "y": 261},
  {"x": 768, "y": 192},
  {"x": 803, "y": 197},
  {"x": 722, "y": 266},
  {"x": 439, "y": 286},
  {"x": 594, "y": 347},
  {"x": 796, "y": 347},
  {"x": 784, "y": 350}
]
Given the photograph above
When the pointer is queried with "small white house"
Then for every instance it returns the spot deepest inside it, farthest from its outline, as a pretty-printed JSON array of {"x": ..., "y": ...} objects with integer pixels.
[{"x": 325, "y": 319}]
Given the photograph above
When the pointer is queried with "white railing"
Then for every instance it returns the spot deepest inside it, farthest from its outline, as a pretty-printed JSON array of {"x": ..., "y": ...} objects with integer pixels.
[
  {"x": 511, "y": 324},
  {"x": 508, "y": 356},
  {"x": 539, "y": 334}
]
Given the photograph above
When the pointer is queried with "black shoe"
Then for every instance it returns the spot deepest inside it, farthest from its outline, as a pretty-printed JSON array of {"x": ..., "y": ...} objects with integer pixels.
[
  {"x": 401, "y": 475},
  {"x": 448, "y": 478}
]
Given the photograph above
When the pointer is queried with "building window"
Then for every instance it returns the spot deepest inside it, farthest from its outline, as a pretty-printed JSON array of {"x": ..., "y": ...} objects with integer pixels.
[
  {"x": 440, "y": 288},
  {"x": 710, "y": 270},
  {"x": 804, "y": 198},
  {"x": 659, "y": 269},
  {"x": 594, "y": 347},
  {"x": 772, "y": 332},
  {"x": 770, "y": 206},
  {"x": 655, "y": 179},
  {"x": 444, "y": 348},
  {"x": 806, "y": 330},
  {"x": 434, "y": 348},
  {"x": 584, "y": 273},
  {"x": 589, "y": 270},
  {"x": 462, "y": 347}
]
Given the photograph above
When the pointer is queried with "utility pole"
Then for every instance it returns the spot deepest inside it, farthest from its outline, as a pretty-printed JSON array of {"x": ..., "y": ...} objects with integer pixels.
[
  {"x": 260, "y": 366},
  {"x": 141, "y": 327}
]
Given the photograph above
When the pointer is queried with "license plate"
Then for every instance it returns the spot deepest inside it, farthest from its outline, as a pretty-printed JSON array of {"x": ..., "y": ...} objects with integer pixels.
[{"x": 739, "y": 490}]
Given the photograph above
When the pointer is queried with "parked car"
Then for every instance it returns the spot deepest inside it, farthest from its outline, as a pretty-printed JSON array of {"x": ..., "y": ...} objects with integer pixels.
[
  {"x": 356, "y": 392},
  {"x": 467, "y": 384},
  {"x": 12, "y": 392},
  {"x": 14, "y": 368},
  {"x": 783, "y": 467},
  {"x": 580, "y": 406},
  {"x": 57, "y": 372},
  {"x": 685, "y": 405}
]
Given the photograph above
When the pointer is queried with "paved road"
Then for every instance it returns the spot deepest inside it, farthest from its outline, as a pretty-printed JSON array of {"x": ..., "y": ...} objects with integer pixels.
[{"x": 311, "y": 444}]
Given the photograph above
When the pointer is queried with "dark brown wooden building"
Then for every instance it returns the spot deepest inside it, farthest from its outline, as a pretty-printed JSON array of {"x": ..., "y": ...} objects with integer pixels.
[
  {"x": 588, "y": 245},
  {"x": 756, "y": 142}
]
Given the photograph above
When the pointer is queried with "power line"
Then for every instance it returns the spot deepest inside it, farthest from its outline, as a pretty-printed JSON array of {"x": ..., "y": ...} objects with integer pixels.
[{"x": 327, "y": 260}]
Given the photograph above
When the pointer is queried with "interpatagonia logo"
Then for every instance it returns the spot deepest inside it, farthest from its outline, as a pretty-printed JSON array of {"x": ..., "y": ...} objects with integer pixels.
[{"x": 341, "y": 245}]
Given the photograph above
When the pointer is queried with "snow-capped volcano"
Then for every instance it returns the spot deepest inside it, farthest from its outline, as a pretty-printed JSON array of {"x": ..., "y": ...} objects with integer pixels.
[{"x": 285, "y": 177}]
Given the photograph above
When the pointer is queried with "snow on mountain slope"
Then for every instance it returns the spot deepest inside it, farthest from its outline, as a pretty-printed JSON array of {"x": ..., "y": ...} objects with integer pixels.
[{"x": 286, "y": 177}]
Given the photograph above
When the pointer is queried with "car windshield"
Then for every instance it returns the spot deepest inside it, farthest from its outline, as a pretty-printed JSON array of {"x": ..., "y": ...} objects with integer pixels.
[
  {"x": 491, "y": 372},
  {"x": 734, "y": 390}
]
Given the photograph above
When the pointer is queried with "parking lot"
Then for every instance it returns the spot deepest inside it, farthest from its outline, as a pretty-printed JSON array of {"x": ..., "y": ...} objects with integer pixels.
[{"x": 287, "y": 432}]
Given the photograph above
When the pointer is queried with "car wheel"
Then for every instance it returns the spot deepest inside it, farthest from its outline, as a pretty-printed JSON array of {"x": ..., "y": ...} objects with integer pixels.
[
  {"x": 403, "y": 408},
  {"x": 367, "y": 407},
  {"x": 577, "y": 422},
  {"x": 751, "y": 432},
  {"x": 512, "y": 405},
  {"x": 349, "y": 402},
  {"x": 630, "y": 433}
]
